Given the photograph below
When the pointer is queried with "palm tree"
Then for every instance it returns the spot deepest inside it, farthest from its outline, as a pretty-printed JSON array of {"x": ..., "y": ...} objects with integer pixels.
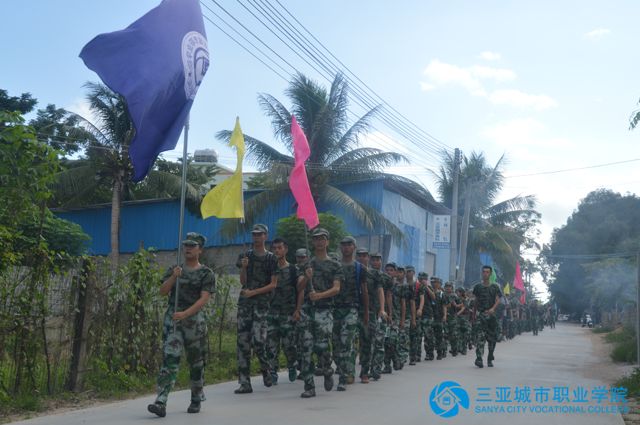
[
  {"x": 105, "y": 171},
  {"x": 336, "y": 156},
  {"x": 499, "y": 229}
]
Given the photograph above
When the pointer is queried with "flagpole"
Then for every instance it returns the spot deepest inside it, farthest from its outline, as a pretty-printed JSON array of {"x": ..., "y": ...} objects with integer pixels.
[{"x": 183, "y": 192}]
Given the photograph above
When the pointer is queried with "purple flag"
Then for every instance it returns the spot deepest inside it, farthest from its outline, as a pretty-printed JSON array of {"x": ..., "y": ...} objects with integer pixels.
[{"x": 157, "y": 64}]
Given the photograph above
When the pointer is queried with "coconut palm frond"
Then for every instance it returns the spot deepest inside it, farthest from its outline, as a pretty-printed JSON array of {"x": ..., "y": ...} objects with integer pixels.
[{"x": 280, "y": 118}]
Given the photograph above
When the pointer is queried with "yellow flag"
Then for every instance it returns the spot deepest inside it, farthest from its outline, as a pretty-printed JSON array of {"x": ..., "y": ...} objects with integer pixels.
[
  {"x": 507, "y": 289},
  {"x": 225, "y": 200}
]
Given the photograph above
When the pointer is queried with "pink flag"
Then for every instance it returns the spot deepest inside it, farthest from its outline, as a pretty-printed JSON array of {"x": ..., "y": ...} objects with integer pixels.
[
  {"x": 519, "y": 284},
  {"x": 298, "y": 181}
]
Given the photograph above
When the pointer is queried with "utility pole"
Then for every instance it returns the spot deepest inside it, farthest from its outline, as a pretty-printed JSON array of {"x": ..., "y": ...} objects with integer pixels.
[{"x": 453, "y": 253}]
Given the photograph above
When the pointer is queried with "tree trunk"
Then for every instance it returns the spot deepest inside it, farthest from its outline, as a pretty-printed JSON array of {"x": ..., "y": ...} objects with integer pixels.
[
  {"x": 115, "y": 223},
  {"x": 464, "y": 237}
]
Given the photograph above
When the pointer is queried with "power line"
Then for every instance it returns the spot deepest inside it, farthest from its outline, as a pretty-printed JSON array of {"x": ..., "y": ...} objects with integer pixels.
[
  {"x": 418, "y": 153},
  {"x": 372, "y": 135},
  {"x": 574, "y": 169},
  {"x": 355, "y": 76},
  {"x": 282, "y": 24}
]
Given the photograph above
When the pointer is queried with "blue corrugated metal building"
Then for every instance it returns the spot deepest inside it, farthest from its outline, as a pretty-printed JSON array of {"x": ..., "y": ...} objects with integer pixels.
[{"x": 154, "y": 223}]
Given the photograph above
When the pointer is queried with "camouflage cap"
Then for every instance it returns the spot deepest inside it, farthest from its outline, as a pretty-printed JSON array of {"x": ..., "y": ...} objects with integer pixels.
[
  {"x": 400, "y": 268},
  {"x": 348, "y": 239},
  {"x": 410, "y": 268},
  {"x": 423, "y": 275},
  {"x": 194, "y": 238},
  {"x": 319, "y": 231},
  {"x": 302, "y": 252},
  {"x": 461, "y": 290},
  {"x": 435, "y": 279},
  {"x": 391, "y": 264},
  {"x": 449, "y": 284},
  {"x": 362, "y": 251},
  {"x": 375, "y": 255},
  {"x": 260, "y": 228}
]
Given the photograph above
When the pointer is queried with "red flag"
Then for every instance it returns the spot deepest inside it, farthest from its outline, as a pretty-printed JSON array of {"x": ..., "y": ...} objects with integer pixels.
[
  {"x": 298, "y": 181},
  {"x": 518, "y": 283}
]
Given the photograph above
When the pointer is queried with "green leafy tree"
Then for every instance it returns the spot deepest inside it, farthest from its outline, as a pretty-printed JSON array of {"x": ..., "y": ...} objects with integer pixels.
[
  {"x": 604, "y": 222},
  {"x": 60, "y": 129},
  {"x": 105, "y": 171},
  {"x": 292, "y": 230},
  {"x": 22, "y": 104},
  {"x": 336, "y": 156},
  {"x": 27, "y": 168}
]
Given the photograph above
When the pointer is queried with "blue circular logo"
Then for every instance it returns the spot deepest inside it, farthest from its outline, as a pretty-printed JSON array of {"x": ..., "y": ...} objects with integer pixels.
[{"x": 446, "y": 397}]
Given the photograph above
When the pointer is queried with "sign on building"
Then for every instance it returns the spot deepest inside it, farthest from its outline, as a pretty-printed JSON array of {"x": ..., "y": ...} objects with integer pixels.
[{"x": 441, "y": 232}]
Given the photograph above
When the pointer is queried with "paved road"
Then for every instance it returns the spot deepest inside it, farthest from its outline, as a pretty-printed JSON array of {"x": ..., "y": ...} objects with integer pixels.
[{"x": 559, "y": 357}]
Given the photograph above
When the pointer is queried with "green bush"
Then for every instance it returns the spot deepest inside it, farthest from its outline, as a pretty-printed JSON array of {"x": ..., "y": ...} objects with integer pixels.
[
  {"x": 631, "y": 382},
  {"x": 292, "y": 230}
]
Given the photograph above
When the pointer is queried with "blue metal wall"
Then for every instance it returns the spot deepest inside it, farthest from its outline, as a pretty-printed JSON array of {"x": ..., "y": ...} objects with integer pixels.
[{"x": 156, "y": 223}]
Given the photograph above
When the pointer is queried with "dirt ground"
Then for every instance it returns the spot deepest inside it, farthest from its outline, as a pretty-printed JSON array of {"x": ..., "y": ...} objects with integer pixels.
[{"x": 606, "y": 370}]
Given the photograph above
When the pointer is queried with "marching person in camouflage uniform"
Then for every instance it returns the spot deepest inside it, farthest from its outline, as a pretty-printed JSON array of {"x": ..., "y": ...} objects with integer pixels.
[
  {"x": 258, "y": 277},
  {"x": 372, "y": 343},
  {"x": 439, "y": 307},
  {"x": 403, "y": 294},
  {"x": 185, "y": 329},
  {"x": 464, "y": 324},
  {"x": 393, "y": 302},
  {"x": 302, "y": 256},
  {"x": 413, "y": 298},
  {"x": 487, "y": 299},
  {"x": 425, "y": 315},
  {"x": 453, "y": 307},
  {"x": 533, "y": 317},
  {"x": 317, "y": 286},
  {"x": 282, "y": 317},
  {"x": 352, "y": 298}
]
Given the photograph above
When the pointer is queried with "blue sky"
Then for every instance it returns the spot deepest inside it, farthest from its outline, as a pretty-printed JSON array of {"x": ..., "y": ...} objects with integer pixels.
[{"x": 549, "y": 83}]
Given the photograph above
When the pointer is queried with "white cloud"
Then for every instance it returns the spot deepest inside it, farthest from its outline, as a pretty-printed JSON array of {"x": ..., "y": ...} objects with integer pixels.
[
  {"x": 597, "y": 33},
  {"x": 521, "y": 100},
  {"x": 489, "y": 73},
  {"x": 474, "y": 78},
  {"x": 440, "y": 74},
  {"x": 520, "y": 133},
  {"x": 490, "y": 56}
]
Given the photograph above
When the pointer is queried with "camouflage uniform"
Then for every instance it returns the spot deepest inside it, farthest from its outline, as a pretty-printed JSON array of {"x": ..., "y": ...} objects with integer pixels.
[
  {"x": 415, "y": 332},
  {"x": 426, "y": 323},
  {"x": 393, "y": 350},
  {"x": 281, "y": 328},
  {"x": 533, "y": 320},
  {"x": 452, "y": 323},
  {"x": 372, "y": 337},
  {"x": 404, "y": 293},
  {"x": 464, "y": 327},
  {"x": 252, "y": 315},
  {"x": 391, "y": 326},
  {"x": 316, "y": 322},
  {"x": 190, "y": 333},
  {"x": 345, "y": 320},
  {"x": 487, "y": 323},
  {"x": 438, "y": 326}
]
